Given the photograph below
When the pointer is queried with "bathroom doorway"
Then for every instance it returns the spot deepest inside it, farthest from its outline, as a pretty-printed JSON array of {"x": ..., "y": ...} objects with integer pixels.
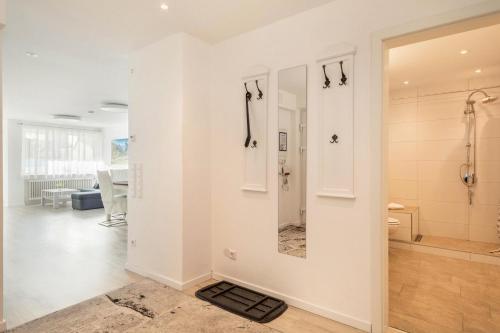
[{"x": 442, "y": 121}]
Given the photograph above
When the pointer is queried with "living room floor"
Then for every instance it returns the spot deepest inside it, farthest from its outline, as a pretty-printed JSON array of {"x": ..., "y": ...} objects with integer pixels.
[{"x": 54, "y": 258}]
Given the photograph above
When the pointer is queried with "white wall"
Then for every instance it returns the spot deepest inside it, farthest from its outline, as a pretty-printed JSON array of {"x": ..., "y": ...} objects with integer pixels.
[
  {"x": 170, "y": 119},
  {"x": 155, "y": 119},
  {"x": 335, "y": 278},
  {"x": 2, "y": 12},
  {"x": 109, "y": 134},
  {"x": 426, "y": 148},
  {"x": 196, "y": 159},
  {"x": 14, "y": 196}
]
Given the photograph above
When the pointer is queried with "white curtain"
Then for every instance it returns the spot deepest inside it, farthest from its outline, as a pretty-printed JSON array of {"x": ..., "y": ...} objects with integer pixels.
[{"x": 56, "y": 151}]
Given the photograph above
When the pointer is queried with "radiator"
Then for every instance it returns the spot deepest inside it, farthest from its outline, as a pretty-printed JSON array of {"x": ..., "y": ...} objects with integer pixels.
[{"x": 33, "y": 187}]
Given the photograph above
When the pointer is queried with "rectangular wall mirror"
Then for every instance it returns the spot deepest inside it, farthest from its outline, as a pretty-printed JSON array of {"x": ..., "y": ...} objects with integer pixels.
[{"x": 292, "y": 160}]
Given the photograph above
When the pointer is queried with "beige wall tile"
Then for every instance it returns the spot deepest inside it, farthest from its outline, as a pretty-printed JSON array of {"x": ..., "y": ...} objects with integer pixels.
[
  {"x": 488, "y": 171},
  {"x": 438, "y": 170},
  {"x": 488, "y": 150},
  {"x": 443, "y": 191},
  {"x": 403, "y": 132},
  {"x": 404, "y": 170},
  {"x": 436, "y": 228},
  {"x": 487, "y": 127},
  {"x": 449, "y": 150},
  {"x": 403, "y": 112},
  {"x": 443, "y": 212},
  {"x": 487, "y": 193},
  {"x": 441, "y": 107},
  {"x": 484, "y": 233},
  {"x": 484, "y": 214},
  {"x": 403, "y": 151},
  {"x": 406, "y": 189},
  {"x": 446, "y": 129}
]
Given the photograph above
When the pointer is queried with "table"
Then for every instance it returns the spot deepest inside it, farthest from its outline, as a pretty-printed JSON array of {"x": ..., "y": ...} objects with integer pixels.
[{"x": 57, "y": 196}]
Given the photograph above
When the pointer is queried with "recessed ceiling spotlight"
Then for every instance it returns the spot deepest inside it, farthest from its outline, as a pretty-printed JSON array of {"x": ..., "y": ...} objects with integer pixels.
[
  {"x": 464, "y": 51},
  {"x": 32, "y": 54},
  {"x": 478, "y": 71},
  {"x": 406, "y": 83},
  {"x": 164, "y": 6}
]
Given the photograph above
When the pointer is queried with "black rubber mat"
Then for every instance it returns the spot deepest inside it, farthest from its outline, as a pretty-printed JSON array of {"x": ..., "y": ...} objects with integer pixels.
[{"x": 242, "y": 301}]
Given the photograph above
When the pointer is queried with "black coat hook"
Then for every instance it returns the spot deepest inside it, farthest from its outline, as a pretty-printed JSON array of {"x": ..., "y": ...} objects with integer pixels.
[
  {"x": 335, "y": 139},
  {"x": 261, "y": 94},
  {"x": 327, "y": 80},
  {"x": 343, "y": 80},
  {"x": 248, "y": 98}
]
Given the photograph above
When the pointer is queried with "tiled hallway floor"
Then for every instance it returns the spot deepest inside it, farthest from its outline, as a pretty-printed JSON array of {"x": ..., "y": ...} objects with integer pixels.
[{"x": 436, "y": 294}]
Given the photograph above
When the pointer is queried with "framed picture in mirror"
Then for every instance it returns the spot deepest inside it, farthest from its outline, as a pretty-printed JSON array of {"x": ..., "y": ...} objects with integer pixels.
[{"x": 283, "y": 141}]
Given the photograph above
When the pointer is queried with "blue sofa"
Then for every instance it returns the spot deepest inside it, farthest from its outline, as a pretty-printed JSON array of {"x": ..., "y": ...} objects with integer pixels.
[{"x": 86, "y": 199}]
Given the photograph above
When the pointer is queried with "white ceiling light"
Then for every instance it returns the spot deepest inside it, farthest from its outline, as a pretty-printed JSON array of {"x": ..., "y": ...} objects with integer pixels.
[
  {"x": 114, "y": 107},
  {"x": 67, "y": 117},
  {"x": 464, "y": 51},
  {"x": 164, "y": 6},
  {"x": 406, "y": 83},
  {"x": 478, "y": 71},
  {"x": 32, "y": 54}
]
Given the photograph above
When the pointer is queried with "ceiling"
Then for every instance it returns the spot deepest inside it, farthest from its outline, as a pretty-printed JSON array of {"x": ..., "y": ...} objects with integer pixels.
[
  {"x": 116, "y": 27},
  {"x": 439, "y": 59}
]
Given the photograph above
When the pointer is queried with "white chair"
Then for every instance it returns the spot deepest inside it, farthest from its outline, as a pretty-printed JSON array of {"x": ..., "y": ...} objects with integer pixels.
[{"x": 115, "y": 202}]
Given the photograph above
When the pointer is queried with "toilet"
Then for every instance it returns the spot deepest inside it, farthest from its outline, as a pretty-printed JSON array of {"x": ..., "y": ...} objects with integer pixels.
[{"x": 393, "y": 225}]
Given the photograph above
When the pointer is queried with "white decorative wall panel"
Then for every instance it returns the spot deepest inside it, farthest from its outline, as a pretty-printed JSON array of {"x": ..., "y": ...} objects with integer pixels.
[
  {"x": 255, "y": 155},
  {"x": 336, "y": 112}
]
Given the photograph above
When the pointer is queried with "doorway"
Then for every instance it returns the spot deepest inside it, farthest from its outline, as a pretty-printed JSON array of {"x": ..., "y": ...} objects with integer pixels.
[{"x": 441, "y": 225}]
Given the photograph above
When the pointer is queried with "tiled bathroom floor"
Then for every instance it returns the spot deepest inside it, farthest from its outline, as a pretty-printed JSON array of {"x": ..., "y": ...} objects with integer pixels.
[
  {"x": 429, "y": 293},
  {"x": 292, "y": 241},
  {"x": 460, "y": 245}
]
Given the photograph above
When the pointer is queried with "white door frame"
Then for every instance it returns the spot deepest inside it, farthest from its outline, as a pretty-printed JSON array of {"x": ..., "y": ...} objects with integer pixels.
[
  {"x": 2, "y": 319},
  {"x": 452, "y": 22}
]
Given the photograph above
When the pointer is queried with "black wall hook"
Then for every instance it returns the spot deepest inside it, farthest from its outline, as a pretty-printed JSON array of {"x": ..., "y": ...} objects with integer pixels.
[
  {"x": 254, "y": 144},
  {"x": 261, "y": 94},
  {"x": 335, "y": 139},
  {"x": 249, "y": 94},
  {"x": 327, "y": 80},
  {"x": 343, "y": 80},
  {"x": 248, "y": 98}
]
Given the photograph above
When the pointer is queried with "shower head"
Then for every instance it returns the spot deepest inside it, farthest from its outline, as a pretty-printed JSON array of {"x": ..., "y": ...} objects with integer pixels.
[{"x": 489, "y": 99}]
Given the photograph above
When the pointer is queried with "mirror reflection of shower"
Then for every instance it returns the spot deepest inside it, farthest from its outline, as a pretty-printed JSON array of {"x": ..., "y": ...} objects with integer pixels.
[
  {"x": 468, "y": 174},
  {"x": 292, "y": 160}
]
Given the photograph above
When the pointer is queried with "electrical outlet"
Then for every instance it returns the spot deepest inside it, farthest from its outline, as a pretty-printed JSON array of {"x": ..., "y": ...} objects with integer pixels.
[
  {"x": 133, "y": 243},
  {"x": 230, "y": 253}
]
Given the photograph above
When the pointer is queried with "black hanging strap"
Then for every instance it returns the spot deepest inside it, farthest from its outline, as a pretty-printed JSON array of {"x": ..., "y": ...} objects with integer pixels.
[
  {"x": 343, "y": 80},
  {"x": 248, "y": 98},
  {"x": 327, "y": 80}
]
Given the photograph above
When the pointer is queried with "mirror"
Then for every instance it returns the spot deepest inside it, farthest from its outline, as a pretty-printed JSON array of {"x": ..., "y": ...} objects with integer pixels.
[{"x": 292, "y": 160}]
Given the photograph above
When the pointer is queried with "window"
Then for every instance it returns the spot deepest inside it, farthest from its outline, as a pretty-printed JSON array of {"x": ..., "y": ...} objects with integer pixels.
[{"x": 56, "y": 151}]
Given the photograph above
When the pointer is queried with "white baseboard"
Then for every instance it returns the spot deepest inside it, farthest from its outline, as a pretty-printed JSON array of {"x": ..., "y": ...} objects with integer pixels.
[
  {"x": 196, "y": 280},
  {"x": 301, "y": 304},
  {"x": 155, "y": 276},
  {"x": 178, "y": 285}
]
